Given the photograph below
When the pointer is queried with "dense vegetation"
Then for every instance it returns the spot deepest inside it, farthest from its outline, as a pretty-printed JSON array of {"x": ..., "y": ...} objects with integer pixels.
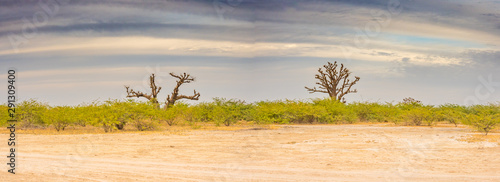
[{"x": 115, "y": 115}]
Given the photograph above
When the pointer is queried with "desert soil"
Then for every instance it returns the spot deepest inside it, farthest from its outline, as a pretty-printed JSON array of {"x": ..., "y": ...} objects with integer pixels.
[{"x": 289, "y": 153}]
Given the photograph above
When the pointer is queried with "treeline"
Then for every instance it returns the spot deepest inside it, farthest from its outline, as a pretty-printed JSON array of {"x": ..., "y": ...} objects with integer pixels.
[{"x": 115, "y": 114}]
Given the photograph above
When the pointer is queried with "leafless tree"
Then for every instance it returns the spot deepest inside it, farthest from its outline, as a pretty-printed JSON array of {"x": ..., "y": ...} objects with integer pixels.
[
  {"x": 151, "y": 97},
  {"x": 182, "y": 78},
  {"x": 335, "y": 82},
  {"x": 171, "y": 99}
]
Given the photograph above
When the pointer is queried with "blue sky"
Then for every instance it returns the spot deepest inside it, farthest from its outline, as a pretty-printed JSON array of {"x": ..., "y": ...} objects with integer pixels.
[{"x": 69, "y": 52}]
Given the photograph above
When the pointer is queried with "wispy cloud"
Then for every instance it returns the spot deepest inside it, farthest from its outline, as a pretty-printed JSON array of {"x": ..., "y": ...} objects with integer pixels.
[{"x": 432, "y": 44}]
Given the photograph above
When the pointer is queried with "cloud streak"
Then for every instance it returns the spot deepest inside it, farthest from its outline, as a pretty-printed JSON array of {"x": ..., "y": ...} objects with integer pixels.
[{"x": 433, "y": 44}]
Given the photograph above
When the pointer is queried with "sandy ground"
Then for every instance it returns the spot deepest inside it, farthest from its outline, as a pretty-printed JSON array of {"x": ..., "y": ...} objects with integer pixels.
[{"x": 290, "y": 153}]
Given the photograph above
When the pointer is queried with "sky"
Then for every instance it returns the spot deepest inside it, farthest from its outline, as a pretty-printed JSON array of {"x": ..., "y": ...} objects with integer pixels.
[{"x": 70, "y": 52}]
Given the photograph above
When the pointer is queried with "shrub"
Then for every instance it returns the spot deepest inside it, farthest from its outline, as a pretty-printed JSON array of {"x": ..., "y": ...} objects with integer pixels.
[
  {"x": 172, "y": 114},
  {"x": 29, "y": 113},
  {"x": 363, "y": 110},
  {"x": 334, "y": 111},
  {"x": 115, "y": 114},
  {"x": 299, "y": 112},
  {"x": 289, "y": 111},
  {"x": 270, "y": 112},
  {"x": 451, "y": 113},
  {"x": 59, "y": 117},
  {"x": 80, "y": 113},
  {"x": 222, "y": 115},
  {"x": 387, "y": 113},
  {"x": 200, "y": 112},
  {"x": 429, "y": 119},
  {"x": 374, "y": 111},
  {"x": 140, "y": 114},
  {"x": 4, "y": 115},
  {"x": 227, "y": 111},
  {"x": 415, "y": 113},
  {"x": 416, "y": 116},
  {"x": 484, "y": 118},
  {"x": 103, "y": 115},
  {"x": 483, "y": 122},
  {"x": 125, "y": 112}
]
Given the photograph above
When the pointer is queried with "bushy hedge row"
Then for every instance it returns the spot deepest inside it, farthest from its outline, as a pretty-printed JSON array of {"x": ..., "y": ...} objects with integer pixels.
[{"x": 115, "y": 114}]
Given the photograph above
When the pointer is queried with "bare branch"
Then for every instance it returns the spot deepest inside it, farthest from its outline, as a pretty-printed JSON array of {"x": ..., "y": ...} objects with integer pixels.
[
  {"x": 182, "y": 78},
  {"x": 312, "y": 90},
  {"x": 193, "y": 97},
  {"x": 151, "y": 97}
]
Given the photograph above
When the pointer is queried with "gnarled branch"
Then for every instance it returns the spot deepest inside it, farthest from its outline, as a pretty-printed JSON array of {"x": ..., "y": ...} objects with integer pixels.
[
  {"x": 182, "y": 78},
  {"x": 151, "y": 97}
]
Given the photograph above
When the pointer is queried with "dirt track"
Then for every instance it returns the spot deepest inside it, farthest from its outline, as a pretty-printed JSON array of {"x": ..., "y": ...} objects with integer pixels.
[{"x": 292, "y": 153}]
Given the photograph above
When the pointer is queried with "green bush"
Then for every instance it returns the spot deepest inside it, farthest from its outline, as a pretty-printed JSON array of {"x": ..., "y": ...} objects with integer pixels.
[
  {"x": 270, "y": 112},
  {"x": 483, "y": 117},
  {"x": 30, "y": 112},
  {"x": 59, "y": 117},
  {"x": 80, "y": 115},
  {"x": 451, "y": 113},
  {"x": 284, "y": 112},
  {"x": 418, "y": 115},
  {"x": 385, "y": 113},
  {"x": 103, "y": 115},
  {"x": 116, "y": 114},
  {"x": 174, "y": 113},
  {"x": 415, "y": 113},
  {"x": 226, "y": 111},
  {"x": 139, "y": 114},
  {"x": 200, "y": 112},
  {"x": 334, "y": 111},
  {"x": 125, "y": 111},
  {"x": 4, "y": 115},
  {"x": 299, "y": 112},
  {"x": 375, "y": 111},
  {"x": 364, "y": 110}
]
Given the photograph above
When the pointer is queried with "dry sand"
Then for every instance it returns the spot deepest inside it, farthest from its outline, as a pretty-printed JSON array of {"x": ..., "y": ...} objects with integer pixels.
[{"x": 290, "y": 153}]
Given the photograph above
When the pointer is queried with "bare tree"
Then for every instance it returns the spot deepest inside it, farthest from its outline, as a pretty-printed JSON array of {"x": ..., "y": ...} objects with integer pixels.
[
  {"x": 182, "y": 78},
  {"x": 151, "y": 97},
  {"x": 171, "y": 99},
  {"x": 335, "y": 82}
]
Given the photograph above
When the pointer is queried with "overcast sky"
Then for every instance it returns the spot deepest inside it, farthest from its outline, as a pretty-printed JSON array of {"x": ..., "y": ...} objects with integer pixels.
[{"x": 69, "y": 52}]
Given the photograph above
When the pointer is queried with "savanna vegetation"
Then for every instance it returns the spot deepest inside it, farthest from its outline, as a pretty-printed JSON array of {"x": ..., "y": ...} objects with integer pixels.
[
  {"x": 331, "y": 79},
  {"x": 116, "y": 114}
]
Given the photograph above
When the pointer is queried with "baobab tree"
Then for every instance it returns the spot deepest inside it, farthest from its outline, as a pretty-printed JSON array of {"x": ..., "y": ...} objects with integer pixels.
[
  {"x": 335, "y": 82},
  {"x": 182, "y": 78},
  {"x": 171, "y": 99}
]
